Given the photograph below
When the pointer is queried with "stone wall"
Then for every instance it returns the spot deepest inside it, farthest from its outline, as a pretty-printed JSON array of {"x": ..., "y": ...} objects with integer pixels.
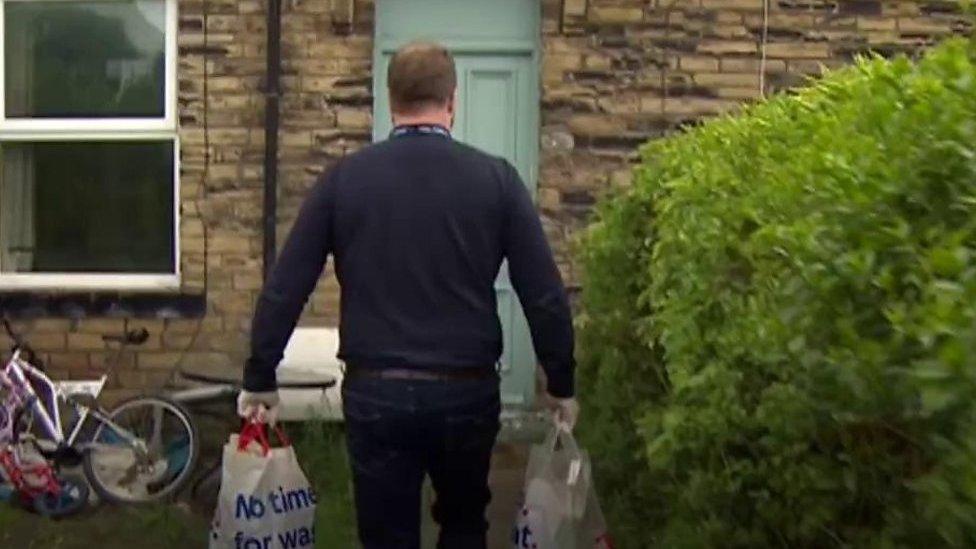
[
  {"x": 615, "y": 73},
  {"x": 327, "y": 109}
]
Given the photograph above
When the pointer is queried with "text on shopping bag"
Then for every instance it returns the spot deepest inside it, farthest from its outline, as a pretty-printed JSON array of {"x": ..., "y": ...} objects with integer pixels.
[
  {"x": 522, "y": 538},
  {"x": 279, "y": 502}
]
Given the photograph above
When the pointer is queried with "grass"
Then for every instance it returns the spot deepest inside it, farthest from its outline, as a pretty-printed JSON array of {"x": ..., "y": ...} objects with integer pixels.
[
  {"x": 321, "y": 449},
  {"x": 161, "y": 527}
]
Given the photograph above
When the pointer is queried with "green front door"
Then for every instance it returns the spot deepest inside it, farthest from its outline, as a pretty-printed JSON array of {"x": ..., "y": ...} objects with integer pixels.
[{"x": 496, "y": 50}]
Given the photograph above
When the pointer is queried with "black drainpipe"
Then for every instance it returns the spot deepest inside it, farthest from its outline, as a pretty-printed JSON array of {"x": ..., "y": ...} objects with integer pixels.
[{"x": 271, "y": 119}]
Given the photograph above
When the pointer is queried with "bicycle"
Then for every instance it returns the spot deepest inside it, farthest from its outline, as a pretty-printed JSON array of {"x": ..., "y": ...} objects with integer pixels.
[
  {"x": 37, "y": 484},
  {"x": 142, "y": 450}
]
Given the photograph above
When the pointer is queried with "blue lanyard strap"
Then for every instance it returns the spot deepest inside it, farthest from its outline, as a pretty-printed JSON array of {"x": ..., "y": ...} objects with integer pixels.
[{"x": 422, "y": 129}]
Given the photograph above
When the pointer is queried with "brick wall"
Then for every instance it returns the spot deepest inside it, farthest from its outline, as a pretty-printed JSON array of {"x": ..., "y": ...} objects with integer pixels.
[{"x": 615, "y": 73}]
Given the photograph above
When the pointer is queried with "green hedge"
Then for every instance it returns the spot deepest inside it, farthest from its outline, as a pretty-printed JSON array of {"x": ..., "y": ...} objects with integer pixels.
[{"x": 779, "y": 328}]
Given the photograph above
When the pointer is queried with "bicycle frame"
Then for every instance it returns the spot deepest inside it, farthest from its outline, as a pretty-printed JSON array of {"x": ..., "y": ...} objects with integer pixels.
[
  {"x": 19, "y": 475},
  {"x": 19, "y": 377},
  {"x": 16, "y": 378}
]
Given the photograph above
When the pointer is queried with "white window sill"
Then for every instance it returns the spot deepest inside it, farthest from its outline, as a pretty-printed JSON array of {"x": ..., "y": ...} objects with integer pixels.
[
  {"x": 54, "y": 282},
  {"x": 70, "y": 129}
]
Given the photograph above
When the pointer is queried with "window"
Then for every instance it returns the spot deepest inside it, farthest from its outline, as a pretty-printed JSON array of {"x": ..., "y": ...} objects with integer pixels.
[{"x": 88, "y": 145}]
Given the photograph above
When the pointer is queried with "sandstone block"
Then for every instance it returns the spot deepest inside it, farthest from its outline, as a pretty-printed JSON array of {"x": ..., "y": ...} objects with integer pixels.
[
  {"x": 726, "y": 47},
  {"x": 750, "y": 64},
  {"x": 877, "y": 24},
  {"x": 798, "y": 50},
  {"x": 50, "y": 341},
  {"x": 354, "y": 118},
  {"x": 234, "y": 243},
  {"x": 615, "y": 14},
  {"x": 574, "y": 8},
  {"x": 698, "y": 63},
  {"x": 740, "y": 80},
  {"x": 596, "y": 125},
  {"x": 922, "y": 25},
  {"x": 85, "y": 341},
  {"x": 742, "y": 5}
]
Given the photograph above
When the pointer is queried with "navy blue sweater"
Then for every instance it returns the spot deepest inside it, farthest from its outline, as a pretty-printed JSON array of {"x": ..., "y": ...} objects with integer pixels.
[{"x": 418, "y": 226}]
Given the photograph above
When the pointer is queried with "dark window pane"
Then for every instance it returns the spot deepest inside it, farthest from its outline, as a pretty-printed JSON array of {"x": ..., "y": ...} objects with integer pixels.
[
  {"x": 103, "y": 207},
  {"x": 72, "y": 59}
]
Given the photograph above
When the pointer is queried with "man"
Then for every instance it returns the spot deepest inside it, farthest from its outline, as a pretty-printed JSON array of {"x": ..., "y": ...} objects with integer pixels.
[{"x": 418, "y": 226}]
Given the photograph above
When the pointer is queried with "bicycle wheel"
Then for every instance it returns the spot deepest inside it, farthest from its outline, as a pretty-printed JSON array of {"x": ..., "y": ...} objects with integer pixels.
[
  {"x": 72, "y": 498},
  {"x": 145, "y": 454}
]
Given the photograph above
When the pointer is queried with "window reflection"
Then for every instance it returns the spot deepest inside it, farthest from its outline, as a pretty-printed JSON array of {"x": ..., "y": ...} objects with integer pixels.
[
  {"x": 67, "y": 59},
  {"x": 91, "y": 207}
]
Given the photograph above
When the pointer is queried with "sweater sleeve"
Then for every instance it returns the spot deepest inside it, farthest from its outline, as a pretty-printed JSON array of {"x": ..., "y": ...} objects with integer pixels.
[
  {"x": 539, "y": 286},
  {"x": 292, "y": 280}
]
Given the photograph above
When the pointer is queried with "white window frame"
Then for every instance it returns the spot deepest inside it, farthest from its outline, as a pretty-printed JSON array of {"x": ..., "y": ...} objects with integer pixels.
[{"x": 102, "y": 129}]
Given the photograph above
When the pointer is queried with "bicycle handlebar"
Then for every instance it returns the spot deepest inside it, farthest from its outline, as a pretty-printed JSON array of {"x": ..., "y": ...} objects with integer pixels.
[
  {"x": 10, "y": 332},
  {"x": 19, "y": 344},
  {"x": 132, "y": 337}
]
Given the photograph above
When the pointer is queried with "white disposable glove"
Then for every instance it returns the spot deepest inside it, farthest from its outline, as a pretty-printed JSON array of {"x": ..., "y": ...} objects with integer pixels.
[
  {"x": 565, "y": 412},
  {"x": 260, "y": 407}
]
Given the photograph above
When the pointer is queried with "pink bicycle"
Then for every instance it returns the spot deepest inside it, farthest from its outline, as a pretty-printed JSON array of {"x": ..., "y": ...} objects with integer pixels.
[{"x": 142, "y": 450}]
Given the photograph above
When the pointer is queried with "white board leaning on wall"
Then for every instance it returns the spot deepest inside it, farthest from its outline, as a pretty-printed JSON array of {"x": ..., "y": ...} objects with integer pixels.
[{"x": 310, "y": 353}]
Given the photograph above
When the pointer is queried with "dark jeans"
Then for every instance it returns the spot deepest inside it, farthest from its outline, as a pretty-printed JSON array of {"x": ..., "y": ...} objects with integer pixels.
[{"x": 398, "y": 431}]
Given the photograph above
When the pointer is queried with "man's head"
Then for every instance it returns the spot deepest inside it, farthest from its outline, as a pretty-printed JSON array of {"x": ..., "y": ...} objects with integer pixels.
[{"x": 422, "y": 82}]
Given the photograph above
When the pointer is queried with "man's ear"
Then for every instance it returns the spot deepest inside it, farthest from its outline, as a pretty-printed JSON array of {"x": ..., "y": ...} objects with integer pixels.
[
  {"x": 452, "y": 103},
  {"x": 452, "y": 107}
]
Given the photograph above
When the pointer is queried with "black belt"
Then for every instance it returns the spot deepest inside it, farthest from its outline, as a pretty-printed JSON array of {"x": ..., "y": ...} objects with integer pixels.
[{"x": 420, "y": 374}]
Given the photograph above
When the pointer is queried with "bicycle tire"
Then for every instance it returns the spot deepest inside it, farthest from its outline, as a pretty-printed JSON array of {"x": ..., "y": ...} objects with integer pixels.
[
  {"x": 72, "y": 499},
  {"x": 172, "y": 486}
]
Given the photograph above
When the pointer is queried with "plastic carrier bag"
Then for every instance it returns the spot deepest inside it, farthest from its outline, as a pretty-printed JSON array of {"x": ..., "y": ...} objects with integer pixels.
[
  {"x": 265, "y": 500},
  {"x": 561, "y": 509}
]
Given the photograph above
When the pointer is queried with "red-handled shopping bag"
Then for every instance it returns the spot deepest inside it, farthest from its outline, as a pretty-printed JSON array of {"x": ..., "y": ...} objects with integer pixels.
[{"x": 265, "y": 500}]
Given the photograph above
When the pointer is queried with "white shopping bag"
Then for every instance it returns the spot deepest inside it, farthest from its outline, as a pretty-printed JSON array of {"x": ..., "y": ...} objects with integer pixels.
[
  {"x": 561, "y": 510},
  {"x": 265, "y": 500}
]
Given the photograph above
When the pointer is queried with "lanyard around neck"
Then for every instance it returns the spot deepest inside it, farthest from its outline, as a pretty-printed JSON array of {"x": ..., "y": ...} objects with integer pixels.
[{"x": 420, "y": 129}]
